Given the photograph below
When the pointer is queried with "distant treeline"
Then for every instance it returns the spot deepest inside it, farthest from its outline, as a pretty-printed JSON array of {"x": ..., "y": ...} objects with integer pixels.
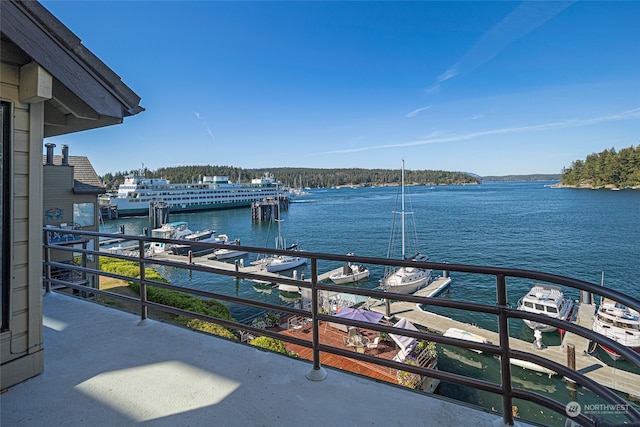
[
  {"x": 621, "y": 169},
  {"x": 522, "y": 178},
  {"x": 303, "y": 177}
]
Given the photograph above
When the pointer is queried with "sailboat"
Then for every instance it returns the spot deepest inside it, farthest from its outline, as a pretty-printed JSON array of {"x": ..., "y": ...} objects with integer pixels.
[
  {"x": 405, "y": 280},
  {"x": 277, "y": 263}
]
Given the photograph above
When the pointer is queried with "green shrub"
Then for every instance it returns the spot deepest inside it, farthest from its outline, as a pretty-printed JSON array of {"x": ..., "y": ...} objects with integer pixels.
[
  {"x": 211, "y": 328},
  {"x": 272, "y": 344},
  {"x": 172, "y": 298}
]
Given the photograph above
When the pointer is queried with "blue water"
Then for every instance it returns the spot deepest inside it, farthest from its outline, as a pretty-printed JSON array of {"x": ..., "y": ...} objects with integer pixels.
[{"x": 570, "y": 232}]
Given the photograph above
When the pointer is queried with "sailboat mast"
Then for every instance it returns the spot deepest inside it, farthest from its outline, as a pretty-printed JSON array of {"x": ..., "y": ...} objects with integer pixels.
[{"x": 402, "y": 214}]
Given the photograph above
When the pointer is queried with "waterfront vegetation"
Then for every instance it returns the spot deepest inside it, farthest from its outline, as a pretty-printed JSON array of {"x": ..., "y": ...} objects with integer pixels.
[
  {"x": 173, "y": 298},
  {"x": 607, "y": 168},
  {"x": 272, "y": 344},
  {"x": 303, "y": 177}
]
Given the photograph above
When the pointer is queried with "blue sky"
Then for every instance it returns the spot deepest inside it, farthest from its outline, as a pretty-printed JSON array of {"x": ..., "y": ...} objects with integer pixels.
[{"x": 492, "y": 88}]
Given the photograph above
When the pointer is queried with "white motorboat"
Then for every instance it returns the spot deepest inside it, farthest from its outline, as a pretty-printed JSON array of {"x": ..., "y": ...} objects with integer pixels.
[
  {"x": 461, "y": 334},
  {"x": 288, "y": 288},
  {"x": 228, "y": 253},
  {"x": 275, "y": 263},
  {"x": 350, "y": 273},
  {"x": 618, "y": 322},
  {"x": 549, "y": 301},
  {"x": 206, "y": 236},
  {"x": 405, "y": 280},
  {"x": 524, "y": 364},
  {"x": 285, "y": 262},
  {"x": 171, "y": 230}
]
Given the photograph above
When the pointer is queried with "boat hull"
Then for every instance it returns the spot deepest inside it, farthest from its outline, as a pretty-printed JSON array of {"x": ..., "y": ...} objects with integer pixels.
[
  {"x": 405, "y": 281},
  {"x": 228, "y": 254},
  {"x": 340, "y": 279},
  {"x": 287, "y": 263},
  {"x": 539, "y": 326}
]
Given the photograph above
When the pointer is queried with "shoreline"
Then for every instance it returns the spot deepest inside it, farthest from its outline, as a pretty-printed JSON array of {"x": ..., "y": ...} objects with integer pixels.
[{"x": 591, "y": 187}]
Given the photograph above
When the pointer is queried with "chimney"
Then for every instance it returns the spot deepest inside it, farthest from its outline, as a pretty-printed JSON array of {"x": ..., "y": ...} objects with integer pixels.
[
  {"x": 65, "y": 155},
  {"x": 50, "y": 148}
]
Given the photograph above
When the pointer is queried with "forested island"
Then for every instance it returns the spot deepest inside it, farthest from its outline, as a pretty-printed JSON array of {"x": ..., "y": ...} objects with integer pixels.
[
  {"x": 303, "y": 177},
  {"x": 608, "y": 169},
  {"x": 522, "y": 178}
]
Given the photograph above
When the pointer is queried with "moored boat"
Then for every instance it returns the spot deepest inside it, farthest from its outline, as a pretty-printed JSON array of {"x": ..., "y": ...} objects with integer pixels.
[
  {"x": 206, "y": 236},
  {"x": 285, "y": 262},
  {"x": 350, "y": 273},
  {"x": 171, "y": 230},
  {"x": 405, "y": 280},
  {"x": 619, "y": 323},
  {"x": 275, "y": 263},
  {"x": 549, "y": 301},
  {"x": 461, "y": 334},
  {"x": 228, "y": 253}
]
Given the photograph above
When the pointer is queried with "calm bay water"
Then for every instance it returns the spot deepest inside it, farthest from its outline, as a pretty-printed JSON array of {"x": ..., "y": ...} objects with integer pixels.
[{"x": 569, "y": 232}]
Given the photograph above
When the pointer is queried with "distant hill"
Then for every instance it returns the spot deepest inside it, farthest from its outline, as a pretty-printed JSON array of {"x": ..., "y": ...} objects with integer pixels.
[{"x": 522, "y": 178}]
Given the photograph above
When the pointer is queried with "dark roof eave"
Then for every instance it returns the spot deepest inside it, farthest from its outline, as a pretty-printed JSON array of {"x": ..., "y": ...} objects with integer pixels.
[{"x": 61, "y": 36}]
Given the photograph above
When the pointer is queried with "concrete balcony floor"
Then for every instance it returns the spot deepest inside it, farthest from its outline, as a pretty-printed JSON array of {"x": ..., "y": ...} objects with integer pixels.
[{"x": 103, "y": 367}]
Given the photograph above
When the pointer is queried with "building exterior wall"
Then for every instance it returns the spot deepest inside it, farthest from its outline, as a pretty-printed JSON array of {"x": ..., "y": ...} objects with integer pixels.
[
  {"x": 21, "y": 346},
  {"x": 59, "y": 199}
]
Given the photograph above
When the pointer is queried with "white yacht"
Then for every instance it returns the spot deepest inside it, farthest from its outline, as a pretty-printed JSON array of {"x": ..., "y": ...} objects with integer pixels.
[
  {"x": 206, "y": 236},
  {"x": 170, "y": 230},
  {"x": 228, "y": 253},
  {"x": 618, "y": 322},
  {"x": 549, "y": 301}
]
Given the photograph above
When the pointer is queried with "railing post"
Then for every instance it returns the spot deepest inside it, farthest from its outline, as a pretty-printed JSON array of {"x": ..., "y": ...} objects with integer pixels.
[
  {"x": 318, "y": 373},
  {"x": 143, "y": 283},
  {"x": 505, "y": 365},
  {"x": 47, "y": 258}
]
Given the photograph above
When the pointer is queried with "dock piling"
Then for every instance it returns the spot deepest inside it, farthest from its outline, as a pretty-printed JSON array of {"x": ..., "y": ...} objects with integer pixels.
[{"x": 571, "y": 363}]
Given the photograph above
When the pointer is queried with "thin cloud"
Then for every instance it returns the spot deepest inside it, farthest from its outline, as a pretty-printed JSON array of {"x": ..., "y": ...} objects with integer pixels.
[
  {"x": 204, "y": 122},
  {"x": 525, "y": 18},
  {"x": 624, "y": 115},
  {"x": 415, "y": 112}
]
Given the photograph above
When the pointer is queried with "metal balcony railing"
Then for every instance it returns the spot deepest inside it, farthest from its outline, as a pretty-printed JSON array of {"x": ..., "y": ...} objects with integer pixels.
[{"x": 500, "y": 309}]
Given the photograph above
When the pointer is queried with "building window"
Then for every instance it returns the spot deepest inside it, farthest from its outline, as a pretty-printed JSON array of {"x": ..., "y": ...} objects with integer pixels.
[
  {"x": 84, "y": 214},
  {"x": 5, "y": 219}
]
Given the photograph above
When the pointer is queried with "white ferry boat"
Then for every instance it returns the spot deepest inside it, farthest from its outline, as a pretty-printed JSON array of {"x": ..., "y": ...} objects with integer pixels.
[{"x": 212, "y": 192}]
